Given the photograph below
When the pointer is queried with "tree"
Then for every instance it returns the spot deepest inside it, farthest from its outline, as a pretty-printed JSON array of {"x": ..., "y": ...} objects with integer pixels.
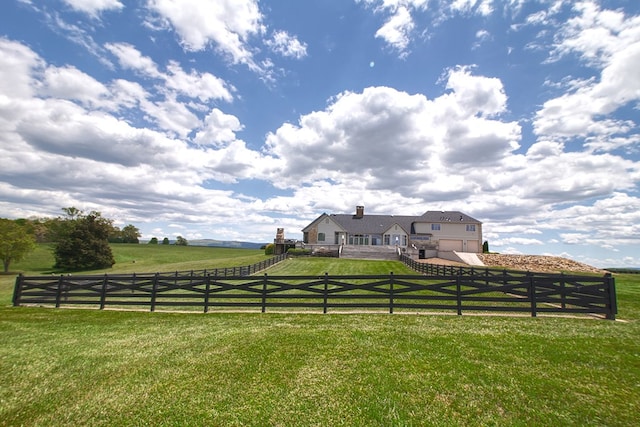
[
  {"x": 153, "y": 241},
  {"x": 485, "y": 247},
  {"x": 15, "y": 242},
  {"x": 181, "y": 241},
  {"x": 165, "y": 241},
  {"x": 83, "y": 243},
  {"x": 72, "y": 213},
  {"x": 130, "y": 234},
  {"x": 115, "y": 235}
]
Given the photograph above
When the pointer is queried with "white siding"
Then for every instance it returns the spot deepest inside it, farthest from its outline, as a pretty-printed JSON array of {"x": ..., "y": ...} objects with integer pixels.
[
  {"x": 395, "y": 231},
  {"x": 326, "y": 228}
]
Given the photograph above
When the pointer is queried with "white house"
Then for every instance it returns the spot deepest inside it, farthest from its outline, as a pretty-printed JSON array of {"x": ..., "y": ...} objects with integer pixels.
[{"x": 439, "y": 231}]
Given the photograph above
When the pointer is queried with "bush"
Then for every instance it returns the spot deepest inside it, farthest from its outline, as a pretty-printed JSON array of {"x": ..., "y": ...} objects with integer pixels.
[{"x": 269, "y": 249}]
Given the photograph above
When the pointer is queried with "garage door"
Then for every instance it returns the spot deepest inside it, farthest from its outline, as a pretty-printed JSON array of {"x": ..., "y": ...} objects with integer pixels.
[
  {"x": 473, "y": 246},
  {"x": 450, "y": 245}
]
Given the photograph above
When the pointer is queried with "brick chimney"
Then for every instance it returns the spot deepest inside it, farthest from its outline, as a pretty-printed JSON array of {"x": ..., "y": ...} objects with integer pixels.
[{"x": 359, "y": 211}]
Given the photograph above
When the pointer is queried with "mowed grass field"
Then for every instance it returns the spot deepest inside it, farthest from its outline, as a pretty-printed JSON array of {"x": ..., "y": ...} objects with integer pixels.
[{"x": 91, "y": 367}]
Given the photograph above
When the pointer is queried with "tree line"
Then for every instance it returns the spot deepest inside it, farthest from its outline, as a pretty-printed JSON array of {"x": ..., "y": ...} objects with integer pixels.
[{"x": 80, "y": 241}]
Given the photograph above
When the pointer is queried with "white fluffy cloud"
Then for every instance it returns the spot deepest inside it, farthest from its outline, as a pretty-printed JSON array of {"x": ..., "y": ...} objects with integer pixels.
[
  {"x": 61, "y": 122},
  {"x": 287, "y": 45},
  {"x": 609, "y": 42},
  {"x": 227, "y": 24},
  {"x": 391, "y": 139}
]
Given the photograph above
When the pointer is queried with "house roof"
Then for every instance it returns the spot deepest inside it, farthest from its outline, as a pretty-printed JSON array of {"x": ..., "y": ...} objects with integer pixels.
[{"x": 377, "y": 224}]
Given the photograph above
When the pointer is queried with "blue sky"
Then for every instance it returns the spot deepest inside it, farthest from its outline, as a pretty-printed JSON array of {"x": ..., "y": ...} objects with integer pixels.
[{"x": 227, "y": 119}]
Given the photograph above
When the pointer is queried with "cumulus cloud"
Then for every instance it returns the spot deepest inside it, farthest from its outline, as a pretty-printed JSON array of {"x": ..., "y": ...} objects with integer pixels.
[
  {"x": 516, "y": 241},
  {"x": 16, "y": 63},
  {"x": 609, "y": 42},
  {"x": 75, "y": 146},
  {"x": 396, "y": 31},
  {"x": 228, "y": 25},
  {"x": 71, "y": 83},
  {"x": 419, "y": 139},
  {"x": 287, "y": 45},
  {"x": 219, "y": 128},
  {"x": 130, "y": 58}
]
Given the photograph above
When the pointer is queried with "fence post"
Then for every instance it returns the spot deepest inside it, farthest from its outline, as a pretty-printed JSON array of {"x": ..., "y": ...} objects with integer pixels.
[
  {"x": 532, "y": 294},
  {"x": 103, "y": 292},
  {"x": 17, "y": 290},
  {"x": 154, "y": 290},
  {"x": 325, "y": 293},
  {"x": 207, "y": 280},
  {"x": 563, "y": 292},
  {"x": 612, "y": 304},
  {"x": 264, "y": 293},
  {"x": 59, "y": 291},
  {"x": 458, "y": 295},
  {"x": 391, "y": 292}
]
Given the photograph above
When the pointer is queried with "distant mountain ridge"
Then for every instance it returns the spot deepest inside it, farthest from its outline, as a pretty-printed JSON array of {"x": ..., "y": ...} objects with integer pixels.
[{"x": 225, "y": 244}]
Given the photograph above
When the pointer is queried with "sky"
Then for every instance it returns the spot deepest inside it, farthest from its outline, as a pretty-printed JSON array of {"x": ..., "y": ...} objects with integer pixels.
[{"x": 227, "y": 119}]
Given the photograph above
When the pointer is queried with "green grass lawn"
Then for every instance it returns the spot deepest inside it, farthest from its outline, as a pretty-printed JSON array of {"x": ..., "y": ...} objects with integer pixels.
[{"x": 91, "y": 367}]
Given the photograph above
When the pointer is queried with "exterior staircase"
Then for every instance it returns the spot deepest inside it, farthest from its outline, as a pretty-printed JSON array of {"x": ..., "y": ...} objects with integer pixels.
[{"x": 369, "y": 252}]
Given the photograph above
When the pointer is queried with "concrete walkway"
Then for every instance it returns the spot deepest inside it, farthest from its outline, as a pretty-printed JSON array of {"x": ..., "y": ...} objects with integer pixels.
[{"x": 469, "y": 258}]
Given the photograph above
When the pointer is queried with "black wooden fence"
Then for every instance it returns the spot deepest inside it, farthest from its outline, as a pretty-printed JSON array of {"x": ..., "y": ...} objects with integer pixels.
[
  {"x": 243, "y": 270},
  {"x": 488, "y": 290}
]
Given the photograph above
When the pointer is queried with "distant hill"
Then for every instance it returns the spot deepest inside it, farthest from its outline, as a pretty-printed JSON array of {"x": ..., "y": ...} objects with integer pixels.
[
  {"x": 225, "y": 244},
  {"x": 623, "y": 270}
]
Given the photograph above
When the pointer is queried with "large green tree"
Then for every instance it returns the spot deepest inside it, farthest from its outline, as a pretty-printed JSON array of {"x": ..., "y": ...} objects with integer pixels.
[
  {"x": 16, "y": 241},
  {"x": 130, "y": 234},
  {"x": 83, "y": 243}
]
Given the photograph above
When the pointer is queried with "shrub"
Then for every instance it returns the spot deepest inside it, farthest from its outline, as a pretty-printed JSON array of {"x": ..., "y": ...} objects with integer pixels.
[{"x": 268, "y": 249}]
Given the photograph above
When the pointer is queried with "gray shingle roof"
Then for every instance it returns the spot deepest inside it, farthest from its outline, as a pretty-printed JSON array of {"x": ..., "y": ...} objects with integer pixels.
[{"x": 376, "y": 224}]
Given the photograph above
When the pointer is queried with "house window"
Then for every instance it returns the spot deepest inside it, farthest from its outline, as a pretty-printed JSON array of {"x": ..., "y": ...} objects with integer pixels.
[
  {"x": 435, "y": 227},
  {"x": 404, "y": 240},
  {"x": 387, "y": 239},
  {"x": 320, "y": 237},
  {"x": 305, "y": 237},
  {"x": 471, "y": 227},
  {"x": 359, "y": 239}
]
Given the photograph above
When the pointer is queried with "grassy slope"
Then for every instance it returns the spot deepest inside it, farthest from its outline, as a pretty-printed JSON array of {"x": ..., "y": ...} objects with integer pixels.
[{"x": 78, "y": 367}]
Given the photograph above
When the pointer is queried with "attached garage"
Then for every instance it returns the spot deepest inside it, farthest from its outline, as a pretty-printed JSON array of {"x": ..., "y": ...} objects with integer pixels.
[
  {"x": 450, "y": 245},
  {"x": 473, "y": 246}
]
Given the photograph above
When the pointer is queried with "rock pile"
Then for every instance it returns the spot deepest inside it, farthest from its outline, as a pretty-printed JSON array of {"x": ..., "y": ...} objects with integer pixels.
[{"x": 537, "y": 263}]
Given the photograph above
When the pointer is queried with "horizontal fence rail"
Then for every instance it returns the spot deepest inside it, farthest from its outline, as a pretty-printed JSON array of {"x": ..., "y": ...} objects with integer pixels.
[
  {"x": 243, "y": 270},
  {"x": 488, "y": 291}
]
